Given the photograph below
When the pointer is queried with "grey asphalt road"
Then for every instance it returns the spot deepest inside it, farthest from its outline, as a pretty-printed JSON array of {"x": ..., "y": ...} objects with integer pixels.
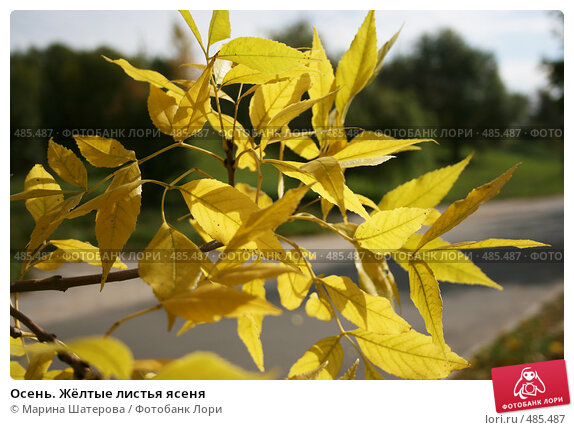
[{"x": 473, "y": 315}]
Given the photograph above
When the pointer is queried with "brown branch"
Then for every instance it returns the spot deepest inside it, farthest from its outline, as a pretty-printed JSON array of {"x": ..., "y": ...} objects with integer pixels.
[
  {"x": 59, "y": 283},
  {"x": 82, "y": 370},
  {"x": 229, "y": 162},
  {"x": 15, "y": 332}
]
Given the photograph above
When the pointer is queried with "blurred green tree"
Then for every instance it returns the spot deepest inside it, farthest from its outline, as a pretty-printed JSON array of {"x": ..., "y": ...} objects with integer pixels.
[
  {"x": 549, "y": 111},
  {"x": 449, "y": 84}
]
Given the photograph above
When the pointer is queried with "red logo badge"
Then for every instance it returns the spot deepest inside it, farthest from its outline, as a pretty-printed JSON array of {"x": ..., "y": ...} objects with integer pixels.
[{"x": 529, "y": 386}]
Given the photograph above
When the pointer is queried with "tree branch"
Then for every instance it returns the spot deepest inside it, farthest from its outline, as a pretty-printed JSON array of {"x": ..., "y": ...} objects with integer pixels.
[
  {"x": 59, "y": 283},
  {"x": 229, "y": 162},
  {"x": 82, "y": 370}
]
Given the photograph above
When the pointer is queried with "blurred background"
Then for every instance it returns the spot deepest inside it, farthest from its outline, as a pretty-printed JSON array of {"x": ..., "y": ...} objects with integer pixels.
[{"x": 499, "y": 74}]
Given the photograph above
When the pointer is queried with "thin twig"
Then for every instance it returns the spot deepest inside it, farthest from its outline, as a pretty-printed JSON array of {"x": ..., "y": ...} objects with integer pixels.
[{"x": 81, "y": 369}]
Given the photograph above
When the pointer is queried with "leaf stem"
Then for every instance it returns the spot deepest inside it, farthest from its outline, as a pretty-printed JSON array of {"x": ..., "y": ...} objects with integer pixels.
[{"x": 131, "y": 316}]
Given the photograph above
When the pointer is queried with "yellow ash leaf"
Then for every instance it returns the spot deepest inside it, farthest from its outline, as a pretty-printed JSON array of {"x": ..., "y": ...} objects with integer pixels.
[
  {"x": 67, "y": 165},
  {"x": 322, "y": 86},
  {"x": 427, "y": 190},
  {"x": 330, "y": 176},
  {"x": 73, "y": 251},
  {"x": 242, "y": 74},
  {"x": 219, "y": 27},
  {"x": 461, "y": 209},
  {"x": 110, "y": 196},
  {"x": 328, "y": 350},
  {"x": 375, "y": 277},
  {"x": 149, "y": 76},
  {"x": 200, "y": 231},
  {"x": 103, "y": 152},
  {"x": 191, "y": 114},
  {"x": 425, "y": 294},
  {"x": 357, "y": 65},
  {"x": 262, "y": 199},
  {"x": 304, "y": 147},
  {"x": 191, "y": 23},
  {"x": 116, "y": 222},
  {"x": 249, "y": 331},
  {"x": 264, "y": 55},
  {"x": 109, "y": 355},
  {"x": 371, "y": 149},
  {"x": 270, "y": 99},
  {"x": 459, "y": 269},
  {"x": 293, "y": 288},
  {"x": 286, "y": 115},
  {"x": 30, "y": 194},
  {"x": 48, "y": 223},
  {"x": 211, "y": 302},
  {"x": 171, "y": 263},
  {"x": 449, "y": 265},
  {"x": 326, "y": 207},
  {"x": 205, "y": 366},
  {"x": 39, "y": 180},
  {"x": 249, "y": 325},
  {"x": 408, "y": 355},
  {"x": 365, "y": 201},
  {"x": 220, "y": 210},
  {"x": 326, "y": 178},
  {"x": 237, "y": 275},
  {"x": 381, "y": 55},
  {"x": 432, "y": 217},
  {"x": 318, "y": 307},
  {"x": 311, "y": 375},
  {"x": 388, "y": 230},
  {"x": 372, "y": 313},
  {"x": 162, "y": 109},
  {"x": 267, "y": 219}
]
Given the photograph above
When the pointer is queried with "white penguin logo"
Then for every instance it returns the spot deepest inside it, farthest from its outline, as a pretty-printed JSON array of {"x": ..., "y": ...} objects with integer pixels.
[{"x": 529, "y": 384}]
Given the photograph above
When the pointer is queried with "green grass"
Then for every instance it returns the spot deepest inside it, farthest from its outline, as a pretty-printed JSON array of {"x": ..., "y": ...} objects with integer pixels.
[{"x": 538, "y": 338}]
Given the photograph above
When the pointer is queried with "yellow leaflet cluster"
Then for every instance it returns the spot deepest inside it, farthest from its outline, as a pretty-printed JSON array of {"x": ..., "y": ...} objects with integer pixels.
[{"x": 241, "y": 220}]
